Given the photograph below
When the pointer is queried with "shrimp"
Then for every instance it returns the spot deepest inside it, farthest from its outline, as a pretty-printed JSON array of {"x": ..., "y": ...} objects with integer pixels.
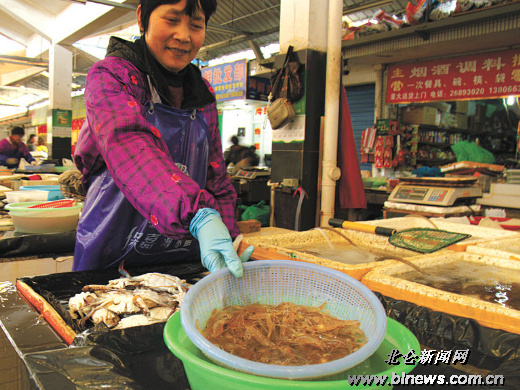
[{"x": 286, "y": 334}]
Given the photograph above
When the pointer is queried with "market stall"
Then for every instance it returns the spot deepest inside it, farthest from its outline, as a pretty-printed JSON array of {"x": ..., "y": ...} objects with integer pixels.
[{"x": 53, "y": 351}]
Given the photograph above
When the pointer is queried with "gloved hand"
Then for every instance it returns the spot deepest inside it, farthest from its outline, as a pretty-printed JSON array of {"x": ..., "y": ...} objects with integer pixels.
[
  {"x": 34, "y": 163},
  {"x": 216, "y": 247}
]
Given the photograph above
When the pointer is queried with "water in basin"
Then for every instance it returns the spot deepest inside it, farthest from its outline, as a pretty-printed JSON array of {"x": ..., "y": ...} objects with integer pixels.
[
  {"x": 341, "y": 252},
  {"x": 481, "y": 281}
]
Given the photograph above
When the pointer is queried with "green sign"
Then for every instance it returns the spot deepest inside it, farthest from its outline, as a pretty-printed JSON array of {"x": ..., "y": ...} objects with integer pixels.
[{"x": 61, "y": 118}]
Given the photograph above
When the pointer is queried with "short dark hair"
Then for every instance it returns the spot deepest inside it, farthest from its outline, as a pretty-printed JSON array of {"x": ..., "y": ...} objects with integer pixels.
[
  {"x": 208, "y": 7},
  {"x": 18, "y": 131}
]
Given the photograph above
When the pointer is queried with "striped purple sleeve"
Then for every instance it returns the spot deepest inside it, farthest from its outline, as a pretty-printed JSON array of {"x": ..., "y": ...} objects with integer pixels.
[
  {"x": 25, "y": 153},
  {"x": 119, "y": 136}
]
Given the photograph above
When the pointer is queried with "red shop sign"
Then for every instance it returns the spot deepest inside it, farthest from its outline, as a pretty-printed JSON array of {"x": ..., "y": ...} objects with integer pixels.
[{"x": 483, "y": 76}]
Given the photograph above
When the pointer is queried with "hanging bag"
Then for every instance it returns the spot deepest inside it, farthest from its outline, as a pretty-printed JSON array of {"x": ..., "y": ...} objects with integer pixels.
[{"x": 286, "y": 88}]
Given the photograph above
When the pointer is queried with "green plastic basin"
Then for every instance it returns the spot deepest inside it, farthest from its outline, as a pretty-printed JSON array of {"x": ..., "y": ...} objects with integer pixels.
[
  {"x": 61, "y": 169},
  {"x": 203, "y": 374}
]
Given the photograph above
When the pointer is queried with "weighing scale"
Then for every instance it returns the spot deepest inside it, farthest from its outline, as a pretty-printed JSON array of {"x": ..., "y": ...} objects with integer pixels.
[
  {"x": 437, "y": 191},
  {"x": 251, "y": 184},
  {"x": 252, "y": 173}
]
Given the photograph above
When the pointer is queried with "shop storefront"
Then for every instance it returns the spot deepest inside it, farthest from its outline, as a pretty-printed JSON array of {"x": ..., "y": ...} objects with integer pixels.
[
  {"x": 242, "y": 106},
  {"x": 446, "y": 91}
]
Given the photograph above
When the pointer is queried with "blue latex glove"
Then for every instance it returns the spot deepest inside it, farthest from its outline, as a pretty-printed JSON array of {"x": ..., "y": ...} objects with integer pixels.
[{"x": 216, "y": 247}]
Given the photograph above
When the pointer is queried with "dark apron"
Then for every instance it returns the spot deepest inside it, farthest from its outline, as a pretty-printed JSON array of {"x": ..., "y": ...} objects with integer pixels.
[{"x": 111, "y": 230}]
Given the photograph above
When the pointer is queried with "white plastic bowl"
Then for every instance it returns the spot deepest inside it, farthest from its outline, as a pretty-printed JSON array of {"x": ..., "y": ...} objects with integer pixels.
[
  {"x": 27, "y": 220},
  {"x": 26, "y": 196},
  {"x": 276, "y": 281}
]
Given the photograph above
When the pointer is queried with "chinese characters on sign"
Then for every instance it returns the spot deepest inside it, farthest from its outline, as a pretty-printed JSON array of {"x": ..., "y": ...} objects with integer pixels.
[
  {"x": 483, "y": 76},
  {"x": 258, "y": 88},
  {"x": 429, "y": 356},
  {"x": 228, "y": 80}
]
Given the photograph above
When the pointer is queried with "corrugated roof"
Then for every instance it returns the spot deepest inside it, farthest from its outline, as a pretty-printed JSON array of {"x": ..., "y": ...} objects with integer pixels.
[{"x": 237, "y": 25}]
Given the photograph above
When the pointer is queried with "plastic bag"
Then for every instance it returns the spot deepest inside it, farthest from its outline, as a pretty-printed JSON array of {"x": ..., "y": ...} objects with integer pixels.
[
  {"x": 259, "y": 212},
  {"x": 420, "y": 13},
  {"x": 469, "y": 151}
]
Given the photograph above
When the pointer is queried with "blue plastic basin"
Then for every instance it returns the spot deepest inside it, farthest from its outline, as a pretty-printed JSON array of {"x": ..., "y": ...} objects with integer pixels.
[{"x": 54, "y": 191}]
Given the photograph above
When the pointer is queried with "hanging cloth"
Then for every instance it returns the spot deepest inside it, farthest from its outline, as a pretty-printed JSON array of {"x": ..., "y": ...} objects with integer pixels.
[
  {"x": 351, "y": 193},
  {"x": 112, "y": 230}
]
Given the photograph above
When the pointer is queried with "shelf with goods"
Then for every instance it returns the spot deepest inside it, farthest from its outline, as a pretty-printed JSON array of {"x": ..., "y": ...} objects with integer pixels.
[
  {"x": 434, "y": 162},
  {"x": 431, "y": 146},
  {"x": 390, "y": 144},
  {"x": 444, "y": 129},
  {"x": 431, "y": 130},
  {"x": 486, "y": 126},
  {"x": 428, "y": 131}
]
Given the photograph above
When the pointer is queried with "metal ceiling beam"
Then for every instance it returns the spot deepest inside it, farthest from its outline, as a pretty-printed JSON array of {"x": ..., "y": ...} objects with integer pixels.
[
  {"x": 37, "y": 20},
  {"x": 106, "y": 2},
  {"x": 87, "y": 20},
  {"x": 34, "y": 91},
  {"x": 22, "y": 74},
  {"x": 251, "y": 14},
  {"x": 25, "y": 59},
  {"x": 236, "y": 40},
  {"x": 224, "y": 30},
  {"x": 256, "y": 49},
  {"x": 22, "y": 63},
  {"x": 10, "y": 105},
  {"x": 365, "y": 6}
]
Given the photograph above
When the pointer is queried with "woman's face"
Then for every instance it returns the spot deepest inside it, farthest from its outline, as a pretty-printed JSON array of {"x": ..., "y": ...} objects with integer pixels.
[{"x": 173, "y": 37}]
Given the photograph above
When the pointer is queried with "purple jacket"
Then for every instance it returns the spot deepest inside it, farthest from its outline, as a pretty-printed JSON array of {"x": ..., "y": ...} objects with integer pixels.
[
  {"x": 116, "y": 135},
  {"x": 8, "y": 151}
]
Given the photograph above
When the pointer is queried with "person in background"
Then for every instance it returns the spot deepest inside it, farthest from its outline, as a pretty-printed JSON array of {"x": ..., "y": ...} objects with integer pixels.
[
  {"x": 42, "y": 147},
  {"x": 249, "y": 159},
  {"x": 254, "y": 159},
  {"x": 12, "y": 149},
  {"x": 154, "y": 195},
  {"x": 235, "y": 153},
  {"x": 31, "y": 143}
]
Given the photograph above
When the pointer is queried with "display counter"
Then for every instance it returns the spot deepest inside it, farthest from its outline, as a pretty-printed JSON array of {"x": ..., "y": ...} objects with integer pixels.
[
  {"x": 39, "y": 358},
  {"x": 35, "y": 254},
  {"x": 137, "y": 358},
  {"x": 132, "y": 358}
]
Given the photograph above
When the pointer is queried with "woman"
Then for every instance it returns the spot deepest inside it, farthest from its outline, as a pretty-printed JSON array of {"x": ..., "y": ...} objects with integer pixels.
[
  {"x": 31, "y": 143},
  {"x": 150, "y": 150},
  {"x": 41, "y": 145}
]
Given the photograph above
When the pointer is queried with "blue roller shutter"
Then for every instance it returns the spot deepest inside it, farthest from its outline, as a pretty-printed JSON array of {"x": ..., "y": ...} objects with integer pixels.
[{"x": 361, "y": 100}]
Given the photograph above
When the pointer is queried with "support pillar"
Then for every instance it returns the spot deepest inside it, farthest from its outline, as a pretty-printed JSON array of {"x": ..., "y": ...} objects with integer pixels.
[
  {"x": 59, "y": 117},
  {"x": 379, "y": 103},
  {"x": 295, "y": 150}
]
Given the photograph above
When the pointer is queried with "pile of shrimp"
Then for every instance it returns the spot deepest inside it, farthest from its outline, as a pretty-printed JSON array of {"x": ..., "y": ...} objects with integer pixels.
[{"x": 286, "y": 334}]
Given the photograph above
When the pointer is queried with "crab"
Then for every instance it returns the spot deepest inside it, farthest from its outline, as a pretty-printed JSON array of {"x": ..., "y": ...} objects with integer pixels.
[
  {"x": 130, "y": 300},
  {"x": 157, "y": 314}
]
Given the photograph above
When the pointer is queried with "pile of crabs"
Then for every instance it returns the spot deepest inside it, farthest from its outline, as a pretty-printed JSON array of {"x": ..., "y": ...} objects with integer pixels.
[{"x": 129, "y": 301}]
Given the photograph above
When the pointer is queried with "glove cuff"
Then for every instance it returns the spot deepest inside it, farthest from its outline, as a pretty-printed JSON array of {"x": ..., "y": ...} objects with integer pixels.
[{"x": 201, "y": 218}]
